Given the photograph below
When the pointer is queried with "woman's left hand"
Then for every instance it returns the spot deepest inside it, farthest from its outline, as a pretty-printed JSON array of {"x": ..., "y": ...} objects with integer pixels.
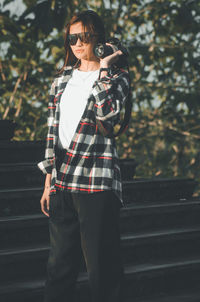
[{"x": 111, "y": 59}]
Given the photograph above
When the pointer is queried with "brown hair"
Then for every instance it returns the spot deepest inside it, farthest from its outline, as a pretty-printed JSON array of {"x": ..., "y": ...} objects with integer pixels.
[{"x": 92, "y": 22}]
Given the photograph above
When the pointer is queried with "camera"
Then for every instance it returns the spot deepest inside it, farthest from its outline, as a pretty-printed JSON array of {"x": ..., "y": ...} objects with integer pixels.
[{"x": 102, "y": 50}]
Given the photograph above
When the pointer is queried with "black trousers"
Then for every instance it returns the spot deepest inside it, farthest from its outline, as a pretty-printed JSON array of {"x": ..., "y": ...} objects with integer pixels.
[{"x": 87, "y": 222}]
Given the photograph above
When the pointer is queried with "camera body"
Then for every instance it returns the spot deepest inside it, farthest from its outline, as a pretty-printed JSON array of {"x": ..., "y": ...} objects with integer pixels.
[{"x": 102, "y": 50}]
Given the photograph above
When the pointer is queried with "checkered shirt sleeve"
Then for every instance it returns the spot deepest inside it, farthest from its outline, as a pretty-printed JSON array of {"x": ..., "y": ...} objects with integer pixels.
[{"x": 110, "y": 93}]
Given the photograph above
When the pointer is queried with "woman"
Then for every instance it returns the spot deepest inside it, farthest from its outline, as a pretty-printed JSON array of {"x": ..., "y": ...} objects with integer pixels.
[{"x": 82, "y": 195}]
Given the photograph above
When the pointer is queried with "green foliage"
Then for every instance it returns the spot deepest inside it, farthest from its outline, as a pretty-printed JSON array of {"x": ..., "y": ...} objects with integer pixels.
[{"x": 163, "y": 41}]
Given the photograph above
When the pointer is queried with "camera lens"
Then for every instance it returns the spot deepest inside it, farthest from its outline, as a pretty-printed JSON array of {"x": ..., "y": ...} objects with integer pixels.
[{"x": 99, "y": 50}]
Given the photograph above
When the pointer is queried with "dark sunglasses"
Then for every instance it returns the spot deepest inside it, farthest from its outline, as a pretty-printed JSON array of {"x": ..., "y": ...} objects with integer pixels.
[{"x": 84, "y": 37}]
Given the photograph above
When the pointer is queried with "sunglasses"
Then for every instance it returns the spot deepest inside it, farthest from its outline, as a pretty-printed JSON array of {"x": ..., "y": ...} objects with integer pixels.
[{"x": 84, "y": 37}]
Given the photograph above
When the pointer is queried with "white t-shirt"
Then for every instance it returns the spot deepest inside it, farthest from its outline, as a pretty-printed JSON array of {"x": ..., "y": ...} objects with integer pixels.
[{"x": 73, "y": 103}]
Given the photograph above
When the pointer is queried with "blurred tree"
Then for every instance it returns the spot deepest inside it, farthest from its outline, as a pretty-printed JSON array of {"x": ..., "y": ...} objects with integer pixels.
[
  {"x": 34, "y": 42},
  {"x": 163, "y": 38},
  {"x": 164, "y": 133}
]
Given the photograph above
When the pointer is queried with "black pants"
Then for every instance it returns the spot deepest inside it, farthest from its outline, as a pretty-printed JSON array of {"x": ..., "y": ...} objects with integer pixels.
[{"x": 89, "y": 222}]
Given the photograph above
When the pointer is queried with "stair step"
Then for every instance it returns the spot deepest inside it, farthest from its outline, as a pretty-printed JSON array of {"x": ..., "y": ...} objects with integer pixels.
[
  {"x": 19, "y": 231},
  {"x": 140, "y": 281},
  {"x": 137, "y": 249},
  {"x": 154, "y": 189},
  {"x": 25, "y": 200},
  {"x": 158, "y": 215},
  {"x": 20, "y": 175},
  {"x": 177, "y": 296},
  {"x": 27, "y": 262},
  {"x": 20, "y": 201},
  {"x": 154, "y": 278},
  {"x": 162, "y": 245},
  {"x": 136, "y": 218},
  {"x": 21, "y": 151},
  {"x": 160, "y": 267}
]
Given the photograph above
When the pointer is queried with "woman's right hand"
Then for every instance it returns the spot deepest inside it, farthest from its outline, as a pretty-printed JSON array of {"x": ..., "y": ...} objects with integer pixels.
[{"x": 44, "y": 201}]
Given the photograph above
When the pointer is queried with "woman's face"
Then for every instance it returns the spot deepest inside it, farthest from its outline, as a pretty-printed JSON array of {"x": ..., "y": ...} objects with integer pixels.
[{"x": 82, "y": 50}]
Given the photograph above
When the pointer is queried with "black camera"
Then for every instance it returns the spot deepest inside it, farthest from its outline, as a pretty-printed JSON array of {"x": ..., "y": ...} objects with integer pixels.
[{"x": 102, "y": 50}]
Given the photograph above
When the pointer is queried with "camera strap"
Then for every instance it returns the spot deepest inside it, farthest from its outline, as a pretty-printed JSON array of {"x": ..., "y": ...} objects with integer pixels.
[{"x": 127, "y": 115}]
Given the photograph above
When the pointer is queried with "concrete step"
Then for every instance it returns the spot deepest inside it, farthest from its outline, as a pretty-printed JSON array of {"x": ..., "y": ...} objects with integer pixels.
[
  {"x": 20, "y": 201},
  {"x": 140, "y": 282},
  {"x": 18, "y": 175},
  {"x": 177, "y": 296},
  {"x": 158, "y": 215},
  {"x": 25, "y": 200},
  {"x": 21, "y": 230},
  {"x": 137, "y": 249},
  {"x": 161, "y": 245},
  {"x": 21, "y": 151},
  {"x": 158, "y": 189},
  {"x": 159, "y": 277}
]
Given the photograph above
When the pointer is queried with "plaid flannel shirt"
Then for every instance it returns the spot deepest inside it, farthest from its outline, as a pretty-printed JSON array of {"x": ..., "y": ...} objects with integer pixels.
[{"x": 91, "y": 163}]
